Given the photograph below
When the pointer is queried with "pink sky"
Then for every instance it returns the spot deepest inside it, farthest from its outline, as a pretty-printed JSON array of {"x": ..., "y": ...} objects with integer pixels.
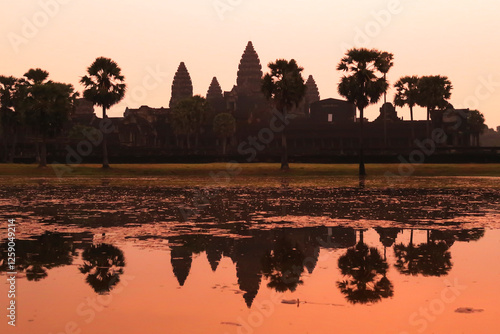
[{"x": 148, "y": 39}]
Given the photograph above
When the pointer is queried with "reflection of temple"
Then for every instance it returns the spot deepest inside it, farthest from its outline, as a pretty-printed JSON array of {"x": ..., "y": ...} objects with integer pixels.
[
  {"x": 322, "y": 126},
  {"x": 282, "y": 256}
]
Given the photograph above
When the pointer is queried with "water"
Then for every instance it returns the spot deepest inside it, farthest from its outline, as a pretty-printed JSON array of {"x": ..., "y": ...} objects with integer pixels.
[{"x": 122, "y": 258}]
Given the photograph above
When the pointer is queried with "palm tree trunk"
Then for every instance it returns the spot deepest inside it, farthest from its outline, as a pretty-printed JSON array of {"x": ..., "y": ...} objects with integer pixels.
[
  {"x": 105, "y": 161},
  {"x": 362, "y": 170},
  {"x": 411, "y": 237},
  {"x": 43, "y": 154},
  {"x": 412, "y": 126},
  {"x": 37, "y": 152},
  {"x": 428, "y": 124},
  {"x": 284, "y": 148}
]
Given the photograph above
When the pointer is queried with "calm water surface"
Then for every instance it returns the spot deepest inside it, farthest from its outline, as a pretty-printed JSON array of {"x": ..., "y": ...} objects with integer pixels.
[{"x": 113, "y": 258}]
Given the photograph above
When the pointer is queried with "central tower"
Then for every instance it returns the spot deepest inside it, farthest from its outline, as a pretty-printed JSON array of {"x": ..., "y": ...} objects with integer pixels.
[{"x": 249, "y": 76}]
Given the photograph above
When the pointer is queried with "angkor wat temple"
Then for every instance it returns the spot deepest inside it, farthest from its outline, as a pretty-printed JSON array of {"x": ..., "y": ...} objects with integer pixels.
[{"x": 320, "y": 128}]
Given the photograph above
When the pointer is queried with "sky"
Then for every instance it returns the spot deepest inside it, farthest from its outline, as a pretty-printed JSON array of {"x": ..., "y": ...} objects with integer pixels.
[{"x": 149, "y": 38}]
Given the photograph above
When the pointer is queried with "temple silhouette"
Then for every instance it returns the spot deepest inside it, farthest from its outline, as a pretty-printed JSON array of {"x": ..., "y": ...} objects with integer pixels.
[{"x": 320, "y": 127}]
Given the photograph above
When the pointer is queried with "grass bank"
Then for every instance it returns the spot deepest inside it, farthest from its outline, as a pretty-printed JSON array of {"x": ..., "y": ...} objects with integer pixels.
[
  {"x": 257, "y": 169},
  {"x": 259, "y": 174}
]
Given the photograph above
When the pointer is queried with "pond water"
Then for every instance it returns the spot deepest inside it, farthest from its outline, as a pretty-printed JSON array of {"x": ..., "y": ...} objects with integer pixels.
[{"x": 122, "y": 258}]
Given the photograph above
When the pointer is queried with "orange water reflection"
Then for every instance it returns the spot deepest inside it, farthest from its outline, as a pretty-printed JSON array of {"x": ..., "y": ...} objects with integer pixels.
[{"x": 300, "y": 280}]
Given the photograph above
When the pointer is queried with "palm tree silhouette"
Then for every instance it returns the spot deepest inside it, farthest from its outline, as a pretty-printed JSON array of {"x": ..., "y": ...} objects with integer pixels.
[
  {"x": 364, "y": 86},
  {"x": 285, "y": 86},
  {"x": 430, "y": 259},
  {"x": 283, "y": 266},
  {"x": 365, "y": 270},
  {"x": 434, "y": 91},
  {"x": 105, "y": 87},
  {"x": 103, "y": 264},
  {"x": 407, "y": 94}
]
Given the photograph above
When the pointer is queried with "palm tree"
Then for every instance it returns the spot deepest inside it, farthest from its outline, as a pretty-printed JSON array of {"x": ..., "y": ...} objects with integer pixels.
[
  {"x": 36, "y": 76},
  {"x": 285, "y": 86},
  {"x": 224, "y": 127},
  {"x": 364, "y": 84},
  {"x": 105, "y": 87},
  {"x": 407, "y": 94},
  {"x": 434, "y": 91}
]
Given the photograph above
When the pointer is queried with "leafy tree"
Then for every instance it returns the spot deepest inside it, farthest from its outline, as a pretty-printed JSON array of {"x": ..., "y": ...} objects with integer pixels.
[
  {"x": 224, "y": 127},
  {"x": 364, "y": 83},
  {"x": 434, "y": 91},
  {"x": 48, "y": 108},
  {"x": 188, "y": 116},
  {"x": 285, "y": 86},
  {"x": 475, "y": 125},
  {"x": 105, "y": 87}
]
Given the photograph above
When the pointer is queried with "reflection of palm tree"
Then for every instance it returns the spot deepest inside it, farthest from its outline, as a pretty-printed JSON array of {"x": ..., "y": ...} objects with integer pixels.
[
  {"x": 367, "y": 271},
  {"x": 283, "y": 266},
  {"x": 36, "y": 256},
  {"x": 430, "y": 259},
  {"x": 103, "y": 264},
  {"x": 470, "y": 235},
  {"x": 388, "y": 236}
]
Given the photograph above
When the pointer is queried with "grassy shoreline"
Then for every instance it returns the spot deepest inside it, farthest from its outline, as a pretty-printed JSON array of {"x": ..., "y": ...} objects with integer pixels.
[{"x": 242, "y": 170}]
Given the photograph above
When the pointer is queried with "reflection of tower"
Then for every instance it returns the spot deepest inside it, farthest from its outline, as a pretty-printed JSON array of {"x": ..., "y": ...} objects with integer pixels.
[
  {"x": 181, "y": 259},
  {"x": 248, "y": 254},
  {"x": 182, "y": 87},
  {"x": 214, "y": 253}
]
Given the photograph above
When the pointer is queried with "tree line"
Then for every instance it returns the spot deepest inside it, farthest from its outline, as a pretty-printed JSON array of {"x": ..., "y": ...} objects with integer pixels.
[{"x": 38, "y": 106}]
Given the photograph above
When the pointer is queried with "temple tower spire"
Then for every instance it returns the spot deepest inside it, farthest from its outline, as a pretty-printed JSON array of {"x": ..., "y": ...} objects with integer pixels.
[
  {"x": 182, "y": 87},
  {"x": 249, "y": 72}
]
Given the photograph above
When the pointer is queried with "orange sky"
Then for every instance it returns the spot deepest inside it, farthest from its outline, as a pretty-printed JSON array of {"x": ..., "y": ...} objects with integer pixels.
[{"x": 148, "y": 39}]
